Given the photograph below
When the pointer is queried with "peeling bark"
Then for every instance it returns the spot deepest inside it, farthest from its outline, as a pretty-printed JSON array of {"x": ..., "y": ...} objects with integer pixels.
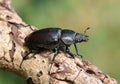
[{"x": 37, "y": 69}]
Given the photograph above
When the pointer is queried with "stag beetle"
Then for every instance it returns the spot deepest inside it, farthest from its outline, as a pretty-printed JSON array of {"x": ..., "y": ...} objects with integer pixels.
[{"x": 54, "y": 39}]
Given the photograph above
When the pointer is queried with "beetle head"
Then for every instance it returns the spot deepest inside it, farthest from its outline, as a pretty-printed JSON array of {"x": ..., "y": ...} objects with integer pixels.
[{"x": 81, "y": 38}]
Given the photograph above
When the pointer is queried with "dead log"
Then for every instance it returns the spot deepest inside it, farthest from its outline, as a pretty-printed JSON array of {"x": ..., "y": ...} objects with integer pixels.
[{"x": 38, "y": 69}]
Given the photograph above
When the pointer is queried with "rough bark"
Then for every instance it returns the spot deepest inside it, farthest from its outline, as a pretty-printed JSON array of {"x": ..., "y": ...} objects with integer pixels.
[{"x": 38, "y": 69}]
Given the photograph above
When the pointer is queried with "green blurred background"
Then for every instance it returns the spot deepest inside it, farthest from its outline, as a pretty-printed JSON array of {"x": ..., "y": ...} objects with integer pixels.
[{"x": 103, "y": 17}]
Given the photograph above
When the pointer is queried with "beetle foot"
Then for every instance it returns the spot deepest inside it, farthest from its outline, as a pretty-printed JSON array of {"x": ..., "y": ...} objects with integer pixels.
[
  {"x": 80, "y": 55},
  {"x": 25, "y": 57},
  {"x": 71, "y": 54}
]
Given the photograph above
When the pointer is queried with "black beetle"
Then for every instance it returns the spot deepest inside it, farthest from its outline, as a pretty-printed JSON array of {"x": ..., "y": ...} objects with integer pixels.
[{"x": 54, "y": 39}]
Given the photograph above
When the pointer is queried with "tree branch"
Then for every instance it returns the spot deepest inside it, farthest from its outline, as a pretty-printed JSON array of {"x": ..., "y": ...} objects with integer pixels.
[{"x": 38, "y": 69}]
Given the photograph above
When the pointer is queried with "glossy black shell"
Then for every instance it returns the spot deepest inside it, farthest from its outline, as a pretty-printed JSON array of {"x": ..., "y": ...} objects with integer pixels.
[
  {"x": 53, "y": 38},
  {"x": 47, "y": 38}
]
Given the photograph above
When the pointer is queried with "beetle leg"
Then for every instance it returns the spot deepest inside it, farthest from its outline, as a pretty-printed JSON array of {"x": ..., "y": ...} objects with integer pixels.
[
  {"x": 68, "y": 51},
  {"x": 53, "y": 59},
  {"x": 55, "y": 53},
  {"x": 26, "y": 57},
  {"x": 77, "y": 50}
]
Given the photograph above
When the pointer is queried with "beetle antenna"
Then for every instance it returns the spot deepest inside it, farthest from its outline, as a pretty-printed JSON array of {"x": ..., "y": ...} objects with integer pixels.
[{"x": 86, "y": 30}]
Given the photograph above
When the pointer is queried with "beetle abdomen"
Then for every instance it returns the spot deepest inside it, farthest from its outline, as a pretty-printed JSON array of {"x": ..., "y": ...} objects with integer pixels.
[{"x": 45, "y": 38}]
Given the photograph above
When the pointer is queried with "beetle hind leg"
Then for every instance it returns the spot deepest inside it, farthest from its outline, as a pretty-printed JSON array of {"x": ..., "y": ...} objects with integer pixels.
[{"x": 25, "y": 56}]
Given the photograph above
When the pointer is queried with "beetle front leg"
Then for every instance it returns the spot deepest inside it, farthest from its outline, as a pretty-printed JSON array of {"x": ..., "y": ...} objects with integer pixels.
[{"x": 77, "y": 50}]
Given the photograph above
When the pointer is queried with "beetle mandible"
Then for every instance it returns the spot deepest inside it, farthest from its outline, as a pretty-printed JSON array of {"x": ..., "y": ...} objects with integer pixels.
[{"x": 54, "y": 39}]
